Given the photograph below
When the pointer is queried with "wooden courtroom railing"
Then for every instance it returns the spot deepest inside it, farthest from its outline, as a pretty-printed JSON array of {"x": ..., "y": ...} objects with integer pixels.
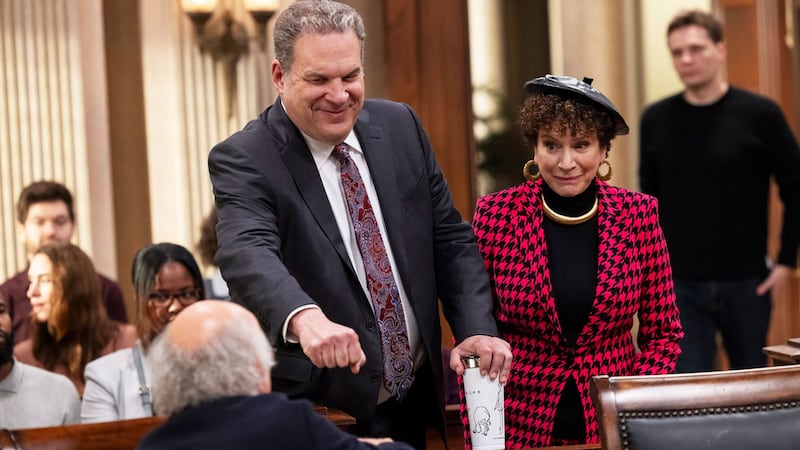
[{"x": 118, "y": 435}]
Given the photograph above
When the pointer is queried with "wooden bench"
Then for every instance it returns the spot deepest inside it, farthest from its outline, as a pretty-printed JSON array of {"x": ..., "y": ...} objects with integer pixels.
[
  {"x": 783, "y": 354},
  {"x": 118, "y": 435}
]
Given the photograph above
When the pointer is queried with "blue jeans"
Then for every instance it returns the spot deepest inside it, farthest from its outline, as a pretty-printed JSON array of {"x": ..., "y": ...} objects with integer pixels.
[{"x": 733, "y": 309}]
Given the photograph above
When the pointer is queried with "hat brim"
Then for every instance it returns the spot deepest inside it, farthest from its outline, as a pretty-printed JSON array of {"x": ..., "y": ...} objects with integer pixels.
[{"x": 572, "y": 87}]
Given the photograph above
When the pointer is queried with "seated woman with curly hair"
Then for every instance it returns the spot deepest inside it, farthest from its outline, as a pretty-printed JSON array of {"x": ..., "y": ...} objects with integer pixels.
[{"x": 69, "y": 324}]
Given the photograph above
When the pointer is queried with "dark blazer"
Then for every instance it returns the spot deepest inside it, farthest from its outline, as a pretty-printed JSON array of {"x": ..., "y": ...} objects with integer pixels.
[
  {"x": 634, "y": 278},
  {"x": 280, "y": 248},
  {"x": 253, "y": 422}
]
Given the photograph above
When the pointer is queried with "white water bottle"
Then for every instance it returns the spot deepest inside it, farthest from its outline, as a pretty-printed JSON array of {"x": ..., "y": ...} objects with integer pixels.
[{"x": 484, "y": 407}]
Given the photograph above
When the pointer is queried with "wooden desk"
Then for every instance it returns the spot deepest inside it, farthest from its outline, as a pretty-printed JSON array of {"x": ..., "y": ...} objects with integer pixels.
[
  {"x": 118, "y": 435},
  {"x": 784, "y": 354},
  {"x": 339, "y": 418}
]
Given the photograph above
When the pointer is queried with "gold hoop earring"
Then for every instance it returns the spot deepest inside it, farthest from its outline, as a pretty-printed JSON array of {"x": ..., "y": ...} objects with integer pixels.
[
  {"x": 527, "y": 173},
  {"x": 607, "y": 175}
]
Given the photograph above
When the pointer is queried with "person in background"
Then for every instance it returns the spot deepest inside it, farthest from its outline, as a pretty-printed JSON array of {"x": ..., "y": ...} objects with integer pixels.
[
  {"x": 166, "y": 279},
  {"x": 31, "y": 397},
  {"x": 338, "y": 230},
  {"x": 211, "y": 376},
  {"x": 572, "y": 260},
  {"x": 708, "y": 155},
  {"x": 207, "y": 246},
  {"x": 69, "y": 325},
  {"x": 45, "y": 214}
]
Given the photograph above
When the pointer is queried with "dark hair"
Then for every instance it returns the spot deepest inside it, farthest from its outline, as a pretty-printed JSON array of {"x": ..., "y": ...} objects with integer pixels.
[
  {"x": 207, "y": 244},
  {"x": 40, "y": 192},
  {"x": 561, "y": 113},
  {"x": 145, "y": 267},
  {"x": 78, "y": 328},
  {"x": 700, "y": 18},
  {"x": 313, "y": 17}
]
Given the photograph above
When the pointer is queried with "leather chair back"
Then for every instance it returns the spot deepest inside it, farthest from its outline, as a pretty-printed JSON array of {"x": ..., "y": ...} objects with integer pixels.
[{"x": 737, "y": 409}]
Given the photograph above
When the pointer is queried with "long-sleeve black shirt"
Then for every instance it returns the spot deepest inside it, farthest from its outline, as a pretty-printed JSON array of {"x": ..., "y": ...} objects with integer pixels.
[{"x": 710, "y": 168}]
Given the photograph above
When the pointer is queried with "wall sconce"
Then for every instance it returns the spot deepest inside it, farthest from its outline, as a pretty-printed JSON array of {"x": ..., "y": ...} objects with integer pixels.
[
  {"x": 224, "y": 35},
  {"x": 220, "y": 33}
]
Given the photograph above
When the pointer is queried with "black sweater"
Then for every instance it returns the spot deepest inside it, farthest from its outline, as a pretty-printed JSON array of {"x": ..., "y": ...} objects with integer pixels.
[
  {"x": 572, "y": 260},
  {"x": 710, "y": 167}
]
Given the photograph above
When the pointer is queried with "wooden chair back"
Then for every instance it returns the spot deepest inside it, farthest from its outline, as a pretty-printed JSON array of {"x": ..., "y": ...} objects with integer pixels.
[{"x": 736, "y": 409}]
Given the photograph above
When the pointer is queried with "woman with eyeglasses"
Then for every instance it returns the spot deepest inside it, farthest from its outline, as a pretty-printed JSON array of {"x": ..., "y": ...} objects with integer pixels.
[
  {"x": 69, "y": 324},
  {"x": 166, "y": 279}
]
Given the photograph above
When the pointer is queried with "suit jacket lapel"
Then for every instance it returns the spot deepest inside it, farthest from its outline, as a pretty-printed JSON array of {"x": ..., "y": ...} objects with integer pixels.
[
  {"x": 532, "y": 244},
  {"x": 301, "y": 166},
  {"x": 613, "y": 230},
  {"x": 377, "y": 151}
]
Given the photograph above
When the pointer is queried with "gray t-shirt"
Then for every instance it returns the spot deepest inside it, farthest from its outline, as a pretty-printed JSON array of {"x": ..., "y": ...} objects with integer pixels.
[{"x": 31, "y": 398}]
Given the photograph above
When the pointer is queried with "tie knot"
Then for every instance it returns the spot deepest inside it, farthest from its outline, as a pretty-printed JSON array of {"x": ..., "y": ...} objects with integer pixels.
[{"x": 341, "y": 152}]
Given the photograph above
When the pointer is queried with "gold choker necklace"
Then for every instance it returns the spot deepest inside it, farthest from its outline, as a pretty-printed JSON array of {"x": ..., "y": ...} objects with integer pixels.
[{"x": 569, "y": 220}]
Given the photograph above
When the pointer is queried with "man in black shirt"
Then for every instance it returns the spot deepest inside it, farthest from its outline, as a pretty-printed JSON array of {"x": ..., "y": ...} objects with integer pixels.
[{"x": 708, "y": 154}]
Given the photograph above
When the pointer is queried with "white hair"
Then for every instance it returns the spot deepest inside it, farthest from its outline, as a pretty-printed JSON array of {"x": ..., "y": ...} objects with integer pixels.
[{"x": 233, "y": 363}]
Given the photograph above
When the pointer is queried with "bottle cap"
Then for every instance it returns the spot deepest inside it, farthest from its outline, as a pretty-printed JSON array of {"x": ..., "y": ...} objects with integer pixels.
[{"x": 471, "y": 362}]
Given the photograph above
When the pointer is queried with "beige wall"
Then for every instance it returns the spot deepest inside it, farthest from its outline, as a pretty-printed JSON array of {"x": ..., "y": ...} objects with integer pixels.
[
  {"x": 186, "y": 103},
  {"x": 622, "y": 45},
  {"x": 63, "y": 133},
  {"x": 588, "y": 38},
  {"x": 659, "y": 78},
  {"x": 53, "y": 119}
]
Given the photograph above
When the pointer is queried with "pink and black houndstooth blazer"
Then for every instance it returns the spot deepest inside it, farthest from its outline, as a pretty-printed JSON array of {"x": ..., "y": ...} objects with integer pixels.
[{"x": 634, "y": 277}]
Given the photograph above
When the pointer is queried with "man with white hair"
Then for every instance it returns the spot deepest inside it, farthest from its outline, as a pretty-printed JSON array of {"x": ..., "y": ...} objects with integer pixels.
[{"x": 211, "y": 376}]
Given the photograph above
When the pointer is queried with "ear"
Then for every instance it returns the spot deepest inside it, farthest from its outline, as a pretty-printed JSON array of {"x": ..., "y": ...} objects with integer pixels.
[
  {"x": 265, "y": 384},
  {"x": 278, "y": 75},
  {"x": 722, "y": 49}
]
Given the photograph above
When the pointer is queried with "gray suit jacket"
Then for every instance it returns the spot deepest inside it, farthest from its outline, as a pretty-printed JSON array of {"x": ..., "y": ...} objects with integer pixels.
[
  {"x": 280, "y": 247},
  {"x": 112, "y": 388}
]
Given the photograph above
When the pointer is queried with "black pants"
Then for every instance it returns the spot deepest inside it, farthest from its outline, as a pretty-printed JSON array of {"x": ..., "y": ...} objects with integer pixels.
[{"x": 408, "y": 420}]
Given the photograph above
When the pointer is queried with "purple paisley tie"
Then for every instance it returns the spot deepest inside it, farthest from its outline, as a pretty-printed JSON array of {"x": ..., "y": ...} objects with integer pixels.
[{"x": 397, "y": 363}]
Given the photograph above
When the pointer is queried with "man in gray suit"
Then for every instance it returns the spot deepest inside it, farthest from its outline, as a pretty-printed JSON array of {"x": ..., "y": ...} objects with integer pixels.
[{"x": 338, "y": 230}]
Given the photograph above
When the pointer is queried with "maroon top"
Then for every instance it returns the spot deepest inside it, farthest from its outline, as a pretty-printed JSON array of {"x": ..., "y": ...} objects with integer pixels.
[{"x": 14, "y": 290}]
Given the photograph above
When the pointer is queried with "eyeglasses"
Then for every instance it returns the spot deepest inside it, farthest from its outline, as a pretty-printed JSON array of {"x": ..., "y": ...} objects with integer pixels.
[{"x": 165, "y": 299}]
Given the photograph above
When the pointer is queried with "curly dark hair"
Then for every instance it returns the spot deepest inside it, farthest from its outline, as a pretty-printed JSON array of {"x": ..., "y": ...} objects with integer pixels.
[{"x": 560, "y": 114}]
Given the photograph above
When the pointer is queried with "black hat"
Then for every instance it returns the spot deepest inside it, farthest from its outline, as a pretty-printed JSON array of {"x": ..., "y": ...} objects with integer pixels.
[{"x": 560, "y": 85}]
